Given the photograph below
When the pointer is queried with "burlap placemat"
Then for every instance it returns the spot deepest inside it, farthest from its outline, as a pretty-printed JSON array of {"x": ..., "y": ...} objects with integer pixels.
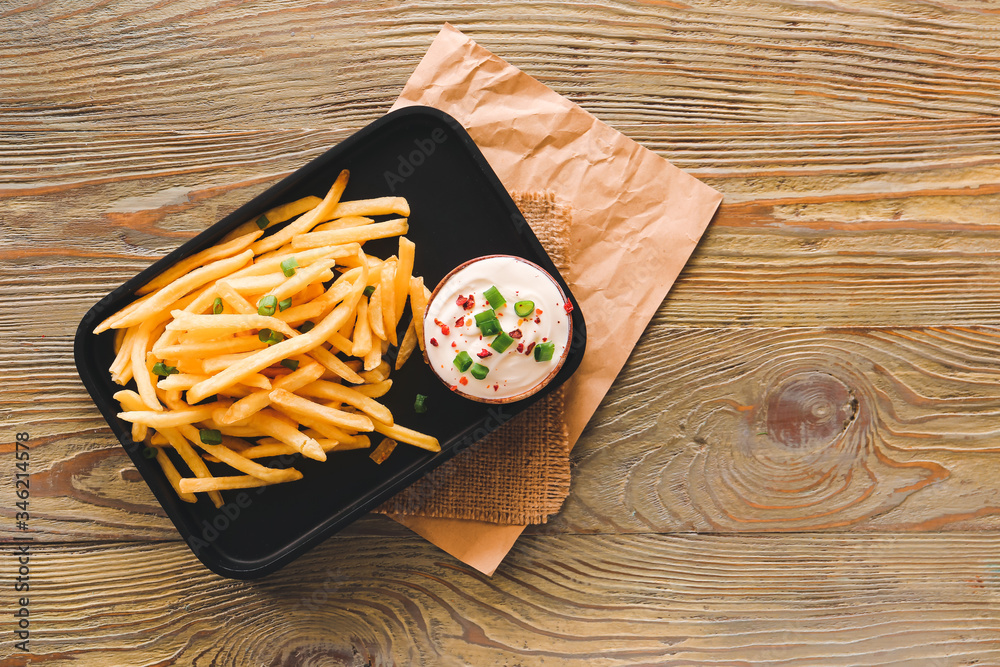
[{"x": 520, "y": 473}]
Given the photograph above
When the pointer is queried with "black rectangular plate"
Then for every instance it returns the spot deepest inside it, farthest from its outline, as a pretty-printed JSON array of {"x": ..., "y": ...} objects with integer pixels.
[{"x": 459, "y": 211}]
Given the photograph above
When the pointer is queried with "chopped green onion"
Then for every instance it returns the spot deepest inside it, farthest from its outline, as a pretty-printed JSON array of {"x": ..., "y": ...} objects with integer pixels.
[
  {"x": 479, "y": 371},
  {"x": 488, "y": 314},
  {"x": 217, "y": 305},
  {"x": 270, "y": 337},
  {"x": 210, "y": 436},
  {"x": 288, "y": 266},
  {"x": 306, "y": 326},
  {"x": 462, "y": 361},
  {"x": 419, "y": 404},
  {"x": 543, "y": 351},
  {"x": 524, "y": 308},
  {"x": 262, "y": 222},
  {"x": 285, "y": 303},
  {"x": 267, "y": 304},
  {"x": 490, "y": 327},
  {"x": 290, "y": 364},
  {"x": 163, "y": 370},
  {"x": 501, "y": 342},
  {"x": 369, "y": 290},
  {"x": 494, "y": 297},
  {"x": 149, "y": 453}
]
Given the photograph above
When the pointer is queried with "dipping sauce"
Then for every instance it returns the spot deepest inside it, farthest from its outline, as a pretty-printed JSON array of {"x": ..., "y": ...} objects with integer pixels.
[{"x": 497, "y": 329}]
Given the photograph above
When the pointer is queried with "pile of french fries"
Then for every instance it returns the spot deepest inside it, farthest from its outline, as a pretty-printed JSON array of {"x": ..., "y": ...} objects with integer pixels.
[{"x": 286, "y": 331}]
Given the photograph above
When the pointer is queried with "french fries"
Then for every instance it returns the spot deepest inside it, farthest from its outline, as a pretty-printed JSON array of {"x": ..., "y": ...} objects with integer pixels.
[{"x": 271, "y": 344}]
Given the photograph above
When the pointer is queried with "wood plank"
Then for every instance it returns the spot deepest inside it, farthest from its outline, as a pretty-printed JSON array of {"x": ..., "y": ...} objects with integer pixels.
[
  {"x": 795, "y": 429},
  {"x": 908, "y": 239},
  {"x": 714, "y": 430},
  {"x": 189, "y": 65},
  {"x": 626, "y": 600}
]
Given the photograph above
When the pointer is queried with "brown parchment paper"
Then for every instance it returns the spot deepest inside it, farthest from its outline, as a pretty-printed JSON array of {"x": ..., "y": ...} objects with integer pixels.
[{"x": 636, "y": 221}]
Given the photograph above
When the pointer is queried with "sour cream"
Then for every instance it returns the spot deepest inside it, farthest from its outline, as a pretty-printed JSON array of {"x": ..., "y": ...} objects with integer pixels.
[{"x": 450, "y": 328}]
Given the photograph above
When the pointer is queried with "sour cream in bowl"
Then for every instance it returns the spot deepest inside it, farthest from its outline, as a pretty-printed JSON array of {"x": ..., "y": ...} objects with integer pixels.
[{"x": 497, "y": 329}]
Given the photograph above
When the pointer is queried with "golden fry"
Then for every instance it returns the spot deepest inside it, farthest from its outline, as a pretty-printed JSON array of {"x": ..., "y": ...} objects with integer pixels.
[
  {"x": 372, "y": 360},
  {"x": 362, "y": 331},
  {"x": 375, "y": 313},
  {"x": 378, "y": 230},
  {"x": 192, "y": 460},
  {"x": 236, "y": 460},
  {"x": 255, "y": 284},
  {"x": 275, "y": 425},
  {"x": 245, "y": 407},
  {"x": 341, "y": 223},
  {"x": 274, "y": 216},
  {"x": 377, "y": 374},
  {"x": 331, "y": 391},
  {"x": 170, "y": 471},
  {"x": 297, "y": 404},
  {"x": 375, "y": 389},
  {"x": 142, "y": 366},
  {"x": 379, "y": 206},
  {"x": 389, "y": 315},
  {"x": 318, "y": 272},
  {"x": 275, "y": 448},
  {"x": 197, "y": 485},
  {"x": 418, "y": 305},
  {"x": 233, "y": 298},
  {"x": 409, "y": 436},
  {"x": 332, "y": 363},
  {"x": 407, "y": 346},
  {"x": 404, "y": 271},
  {"x": 185, "y": 266},
  {"x": 210, "y": 348},
  {"x": 124, "y": 356},
  {"x": 307, "y": 221},
  {"x": 272, "y": 262},
  {"x": 228, "y": 324},
  {"x": 381, "y": 453},
  {"x": 165, "y": 297},
  {"x": 168, "y": 419},
  {"x": 320, "y": 306}
]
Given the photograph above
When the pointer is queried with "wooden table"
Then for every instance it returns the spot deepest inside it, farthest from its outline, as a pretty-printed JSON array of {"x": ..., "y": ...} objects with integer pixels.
[{"x": 799, "y": 465}]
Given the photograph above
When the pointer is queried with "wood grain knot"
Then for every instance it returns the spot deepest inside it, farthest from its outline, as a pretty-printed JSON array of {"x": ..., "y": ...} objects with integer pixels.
[
  {"x": 796, "y": 444},
  {"x": 810, "y": 410}
]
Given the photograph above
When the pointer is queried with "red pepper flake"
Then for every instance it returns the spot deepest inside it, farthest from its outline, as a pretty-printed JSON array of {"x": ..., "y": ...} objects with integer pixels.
[
  {"x": 482, "y": 354},
  {"x": 516, "y": 333},
  {"x": 568, "y": 307},
  {"x": 520, "y": 347},
  {"x": 470, "y": 303},
  {"x": 438, "y": 322},
  {"x": 544, "y": 339},
  {"x": 454, "y": 387},
  {"x": 531, "y": 346},
  {"x": 463, "y": 380},
  {"x": 538, "y": 311},
  {"x": 460, "y": 301},
  {"x": 434, "y": 342},
  {"x": 454, "y": 344},
  {"x": 445, "y": 329},
  {"x": 538, "y": 320},
  {"x": 460, "y": 322},
  {"x": 495, "y": 387}
]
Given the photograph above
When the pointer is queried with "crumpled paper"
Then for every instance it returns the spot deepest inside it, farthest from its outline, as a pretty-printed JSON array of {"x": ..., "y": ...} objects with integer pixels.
[{"x": 636, "y": 221}]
